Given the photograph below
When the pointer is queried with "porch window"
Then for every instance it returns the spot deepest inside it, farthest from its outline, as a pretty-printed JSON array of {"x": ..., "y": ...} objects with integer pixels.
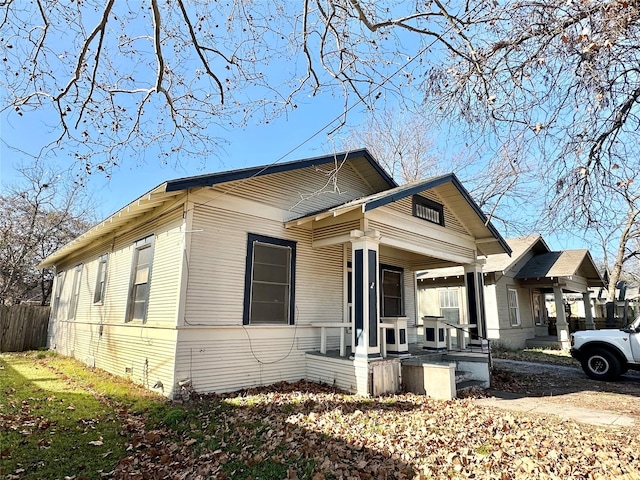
[
  {"x": 140, "y": 278},
  {"x": 101, "y": 279},
  {"x": 514, "y": 311},
  {"x": 269, "y": 281},
  {"x": 449, "y": 300},
  {"x": 428, "y": 210},
  {"x": 75, "y": 292},
  {"x": 392, "y": 288}
]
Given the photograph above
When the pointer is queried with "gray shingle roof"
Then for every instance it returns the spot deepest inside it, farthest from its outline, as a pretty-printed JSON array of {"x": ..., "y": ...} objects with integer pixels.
[{"x": 567, "y": 263}]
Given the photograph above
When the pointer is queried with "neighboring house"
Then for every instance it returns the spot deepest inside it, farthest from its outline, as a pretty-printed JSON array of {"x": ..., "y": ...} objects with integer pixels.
[
  {"x": 627, "y": 301},
  {"x": 515, "y": 292},
  {"x": 242, "y": 278}
]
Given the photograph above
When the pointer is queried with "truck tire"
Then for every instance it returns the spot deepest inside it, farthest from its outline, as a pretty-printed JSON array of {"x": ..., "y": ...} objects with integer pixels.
[{"x": 601, "y": 364}]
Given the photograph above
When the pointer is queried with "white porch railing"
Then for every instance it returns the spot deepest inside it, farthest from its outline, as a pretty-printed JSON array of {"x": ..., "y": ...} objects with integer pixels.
[{"x": 343, "y": 336}]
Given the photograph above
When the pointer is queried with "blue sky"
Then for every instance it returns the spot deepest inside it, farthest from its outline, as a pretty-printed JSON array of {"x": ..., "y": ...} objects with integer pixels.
[{"x": 253, "y": 145}]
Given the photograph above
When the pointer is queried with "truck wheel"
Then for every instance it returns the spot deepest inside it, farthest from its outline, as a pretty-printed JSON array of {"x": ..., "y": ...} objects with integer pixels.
[{"x": 601, "y": 364}]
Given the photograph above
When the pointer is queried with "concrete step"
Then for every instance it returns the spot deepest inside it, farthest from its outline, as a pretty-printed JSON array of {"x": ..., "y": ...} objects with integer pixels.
[
  {"x": 470, "y": 385},
  {"x": 462, "y": 376}
]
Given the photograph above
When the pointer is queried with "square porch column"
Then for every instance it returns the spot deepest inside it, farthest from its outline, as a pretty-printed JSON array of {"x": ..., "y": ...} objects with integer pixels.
[
  {"x": 561, "y": 320},
  {"x": 365, "y": 312},
  {"x": 588, "y": 316},
  {"x": 474, "y": 286}
]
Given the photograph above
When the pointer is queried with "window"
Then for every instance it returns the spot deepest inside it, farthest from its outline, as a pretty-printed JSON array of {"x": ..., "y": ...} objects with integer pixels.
[
  {"x": 140, "y": 278},
  {"x": 58, "y": 292},
  {"x": 391, "y": 298},
  {"x": 449, "y": 300},
  {"x": 514, "y": 311},
  {"x": 428, "y": 210},
  {"x": 75, "y": 292},
  {"x": 101, "y": 279},
  {"x": 269, "y": 281}
]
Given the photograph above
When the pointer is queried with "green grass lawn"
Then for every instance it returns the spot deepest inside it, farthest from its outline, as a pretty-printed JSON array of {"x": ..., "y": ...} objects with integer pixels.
[{"x": 58, "y": 419}]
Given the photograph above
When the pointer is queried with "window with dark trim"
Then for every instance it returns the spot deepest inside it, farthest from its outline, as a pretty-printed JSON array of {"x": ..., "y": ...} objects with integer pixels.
[
  {"x": 101, "y": 279},
  {"x": 75, "y": 292},
  {"x": 428, "y": 210},
  {"x": 140, "y": 280},
  {"x": 392, "y": 294},
  {"x": 269, "y": 281}
]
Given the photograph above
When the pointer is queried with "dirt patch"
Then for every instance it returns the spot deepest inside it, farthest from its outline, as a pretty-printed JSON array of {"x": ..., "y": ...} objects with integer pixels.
[{"x": 570, "y": 386}]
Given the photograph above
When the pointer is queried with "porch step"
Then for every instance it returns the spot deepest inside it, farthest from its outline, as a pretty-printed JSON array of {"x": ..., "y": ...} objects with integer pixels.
[
  {"x": 470, "y": 385},
  {"x": 462, "y": 376}
]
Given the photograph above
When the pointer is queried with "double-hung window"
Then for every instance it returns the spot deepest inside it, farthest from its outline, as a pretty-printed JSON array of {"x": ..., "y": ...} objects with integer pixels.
[
  {"x": 449, "y": 300},
  {"x": 57, "y": 293},
  {"x": 101, "y": 279},
  {"x": 75, "y": 292},
  {"x": 392, "y": 291},
  {"x": 140, "y": 279},
  {"x": 514, "y": 311},
  {"x": 269, "y": 281}
]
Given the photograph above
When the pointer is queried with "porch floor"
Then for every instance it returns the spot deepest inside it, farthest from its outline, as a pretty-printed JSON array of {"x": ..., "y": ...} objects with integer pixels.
[{"x": 415, "y": 351}]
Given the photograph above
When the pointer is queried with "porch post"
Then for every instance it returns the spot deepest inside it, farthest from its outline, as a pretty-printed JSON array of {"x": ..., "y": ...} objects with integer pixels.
[
  {"x": 588, "y": 316},
  {"x": 365, "y": 312},
  {"x": 474, "y": 286},
  {"x": 561, "y": 320}
]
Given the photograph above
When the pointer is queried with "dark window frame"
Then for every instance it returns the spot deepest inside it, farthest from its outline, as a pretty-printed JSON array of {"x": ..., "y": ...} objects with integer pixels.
[
  {"x": 400, "y": 271},
  {"x": 252, "y": 239},
  {"x": 419, "y": 201},
  {"x": 140, "y": 245}
]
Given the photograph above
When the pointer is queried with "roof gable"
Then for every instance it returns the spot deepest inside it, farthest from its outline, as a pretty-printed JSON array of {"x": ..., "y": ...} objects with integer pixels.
[
  {"x": 386, "y": 197},
  {"x": 211, "y": 179},
  {"x": 566, "y": 263},
  {"x": 520, "y": 247}
]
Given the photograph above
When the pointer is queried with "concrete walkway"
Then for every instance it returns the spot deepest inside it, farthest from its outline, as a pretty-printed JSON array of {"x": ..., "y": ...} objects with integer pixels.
[{"x": 537, "y": 405}]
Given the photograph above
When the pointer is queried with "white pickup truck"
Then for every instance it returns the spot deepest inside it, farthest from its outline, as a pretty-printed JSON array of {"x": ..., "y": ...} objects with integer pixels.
[{"x": 606, "y": 354}]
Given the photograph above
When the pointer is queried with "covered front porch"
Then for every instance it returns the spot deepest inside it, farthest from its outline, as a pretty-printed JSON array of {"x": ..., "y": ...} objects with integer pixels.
[
  {"x": 385, "y": 240},
  {"x": 566, "y": 277}
]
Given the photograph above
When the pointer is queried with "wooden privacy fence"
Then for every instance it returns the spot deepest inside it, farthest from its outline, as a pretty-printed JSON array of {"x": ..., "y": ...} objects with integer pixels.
[{"x": 23, "y": 327}]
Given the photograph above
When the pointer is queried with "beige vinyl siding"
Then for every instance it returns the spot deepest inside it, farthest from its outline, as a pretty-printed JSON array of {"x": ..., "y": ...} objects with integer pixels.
[
  {"x": 509, "y": 335},
  {"x": 143, "y": 354},
  {"x": 225, "y": 359},
  {"x": 98, "y": 331},
  {"x": 303, "y": 191},
  {"x": 423, "y": 241},
  {"x": 217, "y": 265},
  {"x": 337, "y": 372}
]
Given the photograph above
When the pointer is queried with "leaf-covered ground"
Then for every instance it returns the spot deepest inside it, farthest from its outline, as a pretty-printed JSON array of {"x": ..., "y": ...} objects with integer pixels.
[
  {"x": 572, "y": 387},
  {"x": 308, "y": 431}
]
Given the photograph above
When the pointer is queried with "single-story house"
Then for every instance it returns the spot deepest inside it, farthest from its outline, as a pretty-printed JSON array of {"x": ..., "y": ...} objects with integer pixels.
[
  {"x": 242, "y": 278},
  {"x": 515, "y": 289}
]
